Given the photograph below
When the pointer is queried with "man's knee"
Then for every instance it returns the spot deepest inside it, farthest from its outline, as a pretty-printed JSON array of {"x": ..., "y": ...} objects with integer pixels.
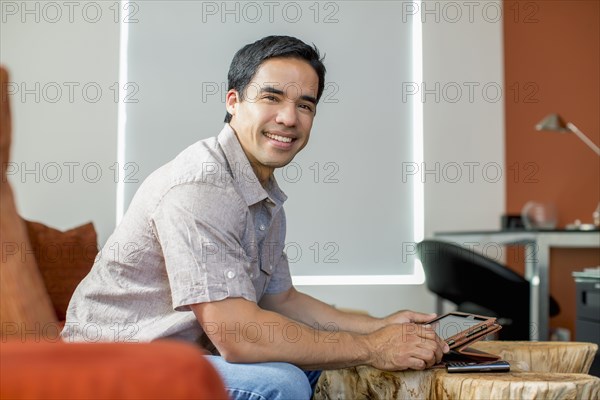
[{"x": 272, "y": 380}]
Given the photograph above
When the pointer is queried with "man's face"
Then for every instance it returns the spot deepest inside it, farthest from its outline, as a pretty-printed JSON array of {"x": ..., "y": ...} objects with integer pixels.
[{"x": 273, "y": 121}]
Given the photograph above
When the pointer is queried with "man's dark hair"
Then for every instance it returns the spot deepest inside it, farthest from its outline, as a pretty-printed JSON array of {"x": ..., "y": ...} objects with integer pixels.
[{"x": 248, "y": 59}]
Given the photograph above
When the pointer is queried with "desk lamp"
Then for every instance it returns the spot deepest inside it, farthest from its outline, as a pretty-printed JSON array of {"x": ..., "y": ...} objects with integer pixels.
[{"x": 554, "y": 123}]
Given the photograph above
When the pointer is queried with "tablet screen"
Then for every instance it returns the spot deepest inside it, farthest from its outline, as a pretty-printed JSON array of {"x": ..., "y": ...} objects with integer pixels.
[{"x": 450, "y": 325}]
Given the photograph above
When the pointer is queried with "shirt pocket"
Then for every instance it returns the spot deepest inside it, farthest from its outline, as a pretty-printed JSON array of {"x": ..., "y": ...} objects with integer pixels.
[
  {"x": 270, "y": 257},
  {"x": 267, "y": 268}
]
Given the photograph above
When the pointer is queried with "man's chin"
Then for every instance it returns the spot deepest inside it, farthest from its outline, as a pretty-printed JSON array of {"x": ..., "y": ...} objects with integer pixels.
[
  {"x": 270, "y": 165},
  {"x": 278, "y": 164},
  {"x": 276, "y": 160}
]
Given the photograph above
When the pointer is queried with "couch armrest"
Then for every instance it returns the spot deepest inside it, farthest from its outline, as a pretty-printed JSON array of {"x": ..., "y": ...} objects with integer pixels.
[{"x": 158, "y": 370}]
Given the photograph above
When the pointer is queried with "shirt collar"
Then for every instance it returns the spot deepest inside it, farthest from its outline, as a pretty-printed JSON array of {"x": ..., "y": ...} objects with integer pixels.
[{"x": 243, "y": 174}]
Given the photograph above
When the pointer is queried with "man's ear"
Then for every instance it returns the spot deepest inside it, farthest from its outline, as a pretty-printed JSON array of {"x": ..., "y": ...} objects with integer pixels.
[{"x": 232, "y": 99}]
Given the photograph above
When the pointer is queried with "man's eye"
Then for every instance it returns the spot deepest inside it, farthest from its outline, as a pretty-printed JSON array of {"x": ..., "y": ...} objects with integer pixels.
[
  {"x": 270, "y": 98},
  {"x": 306, "y": 107}
]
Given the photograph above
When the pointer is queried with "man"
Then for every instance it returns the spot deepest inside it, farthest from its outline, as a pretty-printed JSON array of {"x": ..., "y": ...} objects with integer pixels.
[{"x": 200, "y": 250}]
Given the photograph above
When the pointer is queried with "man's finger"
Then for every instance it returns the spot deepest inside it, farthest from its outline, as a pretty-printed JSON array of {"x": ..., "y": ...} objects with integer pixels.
[
  {"x": 443, "y": 344},
  {"x": 420, "y": 318},
  {"x": 416, "y": 363},
  {"x": 425, "y": 331},
  {"x": 427, "y": 354},
  {"x": 430, "y": 340}
]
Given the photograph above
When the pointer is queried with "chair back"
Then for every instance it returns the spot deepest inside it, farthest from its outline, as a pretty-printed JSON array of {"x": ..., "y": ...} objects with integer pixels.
[{"x": 462, "y": 275}]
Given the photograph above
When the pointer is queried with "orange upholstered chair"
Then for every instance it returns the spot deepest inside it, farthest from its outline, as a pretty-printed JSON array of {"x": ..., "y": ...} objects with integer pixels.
[{"x": 34, "y": 363}]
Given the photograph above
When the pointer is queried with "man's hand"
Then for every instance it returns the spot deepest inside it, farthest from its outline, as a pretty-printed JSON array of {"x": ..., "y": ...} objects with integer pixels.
[
  {"x": 407, "y": 316},
  {"x": 401, "y": 346}
]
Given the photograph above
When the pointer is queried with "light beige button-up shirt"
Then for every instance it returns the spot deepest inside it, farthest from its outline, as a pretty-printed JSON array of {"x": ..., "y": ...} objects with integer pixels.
[{"x": 200, "y": 228}]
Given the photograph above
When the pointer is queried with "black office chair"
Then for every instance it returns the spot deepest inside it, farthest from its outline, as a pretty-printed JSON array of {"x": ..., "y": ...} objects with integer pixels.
[{"x": 479, "y": 285}]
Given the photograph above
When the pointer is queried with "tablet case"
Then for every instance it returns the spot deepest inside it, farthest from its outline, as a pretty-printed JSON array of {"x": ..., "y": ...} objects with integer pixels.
[{"x": 459, "y": 343}]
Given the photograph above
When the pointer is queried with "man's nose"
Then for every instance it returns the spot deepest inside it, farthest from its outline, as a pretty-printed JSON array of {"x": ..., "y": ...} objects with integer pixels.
[{"x": 286, "y": 114}]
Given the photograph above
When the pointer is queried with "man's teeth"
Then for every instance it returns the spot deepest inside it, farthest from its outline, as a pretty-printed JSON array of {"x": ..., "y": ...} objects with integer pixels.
[{"x": 278, "y": 138}]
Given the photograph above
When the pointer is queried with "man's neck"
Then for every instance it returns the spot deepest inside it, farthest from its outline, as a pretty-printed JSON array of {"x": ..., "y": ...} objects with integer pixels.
[{"x": 263, "y": 173}]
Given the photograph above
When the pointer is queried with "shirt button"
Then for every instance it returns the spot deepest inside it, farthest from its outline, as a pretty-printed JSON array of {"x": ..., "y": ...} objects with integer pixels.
[
  {"x": 270, "y": 268},
  {"x": 262, "y": 227},
  {"x": 230, "y": 274}
]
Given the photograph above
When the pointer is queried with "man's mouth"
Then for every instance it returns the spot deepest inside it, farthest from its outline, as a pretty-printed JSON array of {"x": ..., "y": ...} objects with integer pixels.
[{"x": 278, "y": 138}]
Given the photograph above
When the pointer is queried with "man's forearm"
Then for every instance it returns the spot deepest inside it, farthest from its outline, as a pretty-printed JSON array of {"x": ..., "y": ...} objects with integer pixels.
[
  {"x": 257, "y": 335},
  {"x": 243, "y": 332},
  {"x": 304, "y": 308}
]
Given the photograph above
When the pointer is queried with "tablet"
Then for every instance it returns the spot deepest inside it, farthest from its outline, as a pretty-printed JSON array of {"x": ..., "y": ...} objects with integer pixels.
[{"x": 458, "y": 327}]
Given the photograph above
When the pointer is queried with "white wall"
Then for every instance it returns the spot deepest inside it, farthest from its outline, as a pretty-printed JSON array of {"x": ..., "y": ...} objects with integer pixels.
[
  {"x": 64, "y": 137},
  {"x": 464, "y": 130},
  {"x": 348, "y": 211},
  {"x": 85, "y": 132}
]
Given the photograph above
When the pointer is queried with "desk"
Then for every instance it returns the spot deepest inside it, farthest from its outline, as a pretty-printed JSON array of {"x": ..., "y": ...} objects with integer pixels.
[{"x": 537, "y": 260}]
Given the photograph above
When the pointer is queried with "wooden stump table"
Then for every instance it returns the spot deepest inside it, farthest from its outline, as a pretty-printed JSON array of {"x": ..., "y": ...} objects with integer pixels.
[
  {"x": 539, "y": 370},
  {"x": 516, "y": 385}
]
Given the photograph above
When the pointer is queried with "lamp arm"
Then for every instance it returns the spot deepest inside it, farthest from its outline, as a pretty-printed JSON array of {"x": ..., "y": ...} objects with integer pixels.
[{"x": 583, "y": 138}]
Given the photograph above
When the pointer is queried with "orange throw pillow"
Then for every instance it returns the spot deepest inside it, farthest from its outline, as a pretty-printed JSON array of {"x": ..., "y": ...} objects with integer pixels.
[{"x": 63, "y": 258}]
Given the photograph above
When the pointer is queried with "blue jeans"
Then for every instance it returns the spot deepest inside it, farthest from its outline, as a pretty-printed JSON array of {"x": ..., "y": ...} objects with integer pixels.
[{"x": 265, "y": 381}]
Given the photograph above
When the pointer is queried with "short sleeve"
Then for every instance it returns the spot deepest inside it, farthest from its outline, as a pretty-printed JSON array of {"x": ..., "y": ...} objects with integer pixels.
[{"x": 199, "y": 227}]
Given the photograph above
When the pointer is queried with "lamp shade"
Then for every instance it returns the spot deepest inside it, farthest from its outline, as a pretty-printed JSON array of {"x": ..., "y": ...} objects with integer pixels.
[{"x": 553, "y": 123}]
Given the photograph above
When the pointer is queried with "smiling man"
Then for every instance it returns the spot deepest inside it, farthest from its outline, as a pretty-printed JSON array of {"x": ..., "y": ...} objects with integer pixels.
[
  {"x": 274, "y": 122},
  {"x": 200, "y": 251}
]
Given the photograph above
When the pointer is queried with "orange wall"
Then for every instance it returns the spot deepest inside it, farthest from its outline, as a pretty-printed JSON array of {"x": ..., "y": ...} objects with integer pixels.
[{"x": 552, "y": 64}]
